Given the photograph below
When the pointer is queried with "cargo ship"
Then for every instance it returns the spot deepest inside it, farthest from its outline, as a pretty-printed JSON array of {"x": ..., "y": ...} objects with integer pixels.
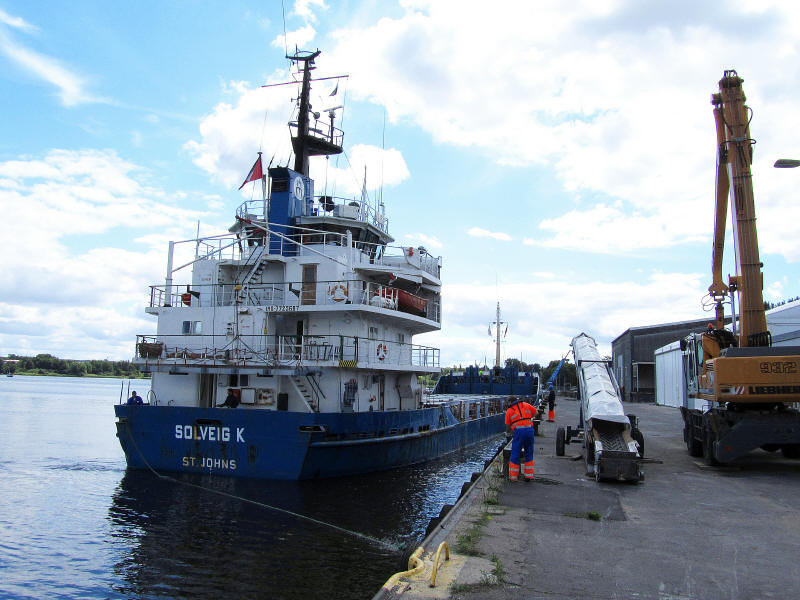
[
  {"x": 497, "y": 380},
  {"x": 284, "y": 347}
]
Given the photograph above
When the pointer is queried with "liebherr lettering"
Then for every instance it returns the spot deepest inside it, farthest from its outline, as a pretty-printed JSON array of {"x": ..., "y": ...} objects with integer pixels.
[
  {"x": 207, "y": 433},
  {"x": 774, "y": 389}
]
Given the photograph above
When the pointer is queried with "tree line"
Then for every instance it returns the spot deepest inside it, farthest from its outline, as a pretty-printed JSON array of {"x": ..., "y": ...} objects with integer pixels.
[
  {"x": 771, "y": 305},
  {"x": 566, "y": 376},
  {"x": 47, "y": 364}
]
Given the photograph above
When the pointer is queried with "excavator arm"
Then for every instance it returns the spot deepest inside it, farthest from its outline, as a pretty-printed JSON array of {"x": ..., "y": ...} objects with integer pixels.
[
  {"x": 735, "y": 147},
  {"x": 718, "y": 290}
]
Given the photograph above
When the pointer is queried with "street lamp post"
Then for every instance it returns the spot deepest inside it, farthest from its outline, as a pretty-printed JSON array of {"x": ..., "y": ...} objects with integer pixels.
[{"x": 786, "y": 163}]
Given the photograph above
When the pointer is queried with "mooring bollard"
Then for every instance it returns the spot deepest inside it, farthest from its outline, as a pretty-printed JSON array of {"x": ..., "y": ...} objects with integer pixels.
[{"x": 506, "y": 458}]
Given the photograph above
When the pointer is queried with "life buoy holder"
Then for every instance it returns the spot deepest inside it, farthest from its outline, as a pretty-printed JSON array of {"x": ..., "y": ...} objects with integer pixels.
[
  {"x": 382, "y": 349},
  {"x": 339, "y": 292},
  {"x": 410, "y": 251}
]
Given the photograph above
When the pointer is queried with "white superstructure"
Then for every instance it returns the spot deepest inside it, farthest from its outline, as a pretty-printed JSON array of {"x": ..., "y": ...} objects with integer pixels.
[{"x": 303, "y": 305}]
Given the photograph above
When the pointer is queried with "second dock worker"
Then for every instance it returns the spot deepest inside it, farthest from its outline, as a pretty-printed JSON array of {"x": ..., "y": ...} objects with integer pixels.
[
  {"x": 231, "y": 401},
  {"x": 519, "y": 420},
  {"x": 551, "y": 405}
]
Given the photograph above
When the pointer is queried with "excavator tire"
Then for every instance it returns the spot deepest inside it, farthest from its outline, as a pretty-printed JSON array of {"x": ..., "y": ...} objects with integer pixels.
[
  {"x": 708, "y": 444},
  {"x": 694, "y": 447},
  {"x": 636, "y": 434}
]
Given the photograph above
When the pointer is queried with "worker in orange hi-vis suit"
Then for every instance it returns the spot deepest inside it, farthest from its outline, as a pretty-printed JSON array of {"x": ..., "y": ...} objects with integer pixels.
[{"x": 519, "y": 420}]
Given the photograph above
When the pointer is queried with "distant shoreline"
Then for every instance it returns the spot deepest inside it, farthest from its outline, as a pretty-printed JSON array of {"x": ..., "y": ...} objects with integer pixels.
[{"x": 87, "y": 376}]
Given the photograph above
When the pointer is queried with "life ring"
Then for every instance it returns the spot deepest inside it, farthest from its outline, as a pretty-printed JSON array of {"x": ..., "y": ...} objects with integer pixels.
[
  {"x": 382, "y": 349},
  {"x": 410, "y": 251},
  {"x": 339, "y": 292}
]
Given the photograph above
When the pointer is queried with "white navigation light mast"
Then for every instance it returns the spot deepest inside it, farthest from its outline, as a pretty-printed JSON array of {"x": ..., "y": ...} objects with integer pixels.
[{"x": 497, "y": 323}]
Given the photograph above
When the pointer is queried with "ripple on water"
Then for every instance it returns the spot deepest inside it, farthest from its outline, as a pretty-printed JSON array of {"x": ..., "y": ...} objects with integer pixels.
[{"x": 75, "y": 523}]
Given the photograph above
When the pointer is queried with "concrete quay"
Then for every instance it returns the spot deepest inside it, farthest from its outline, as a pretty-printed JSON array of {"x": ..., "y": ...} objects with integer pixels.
[{"x": 687, "y": 531}]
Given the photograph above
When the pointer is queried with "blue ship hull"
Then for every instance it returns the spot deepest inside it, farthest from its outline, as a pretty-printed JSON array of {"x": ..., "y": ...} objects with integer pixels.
[{"x": 287, "y": 445}]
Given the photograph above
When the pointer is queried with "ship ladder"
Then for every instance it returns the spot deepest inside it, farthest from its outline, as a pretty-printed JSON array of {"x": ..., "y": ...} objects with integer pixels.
[
  {"x": 303, "y": 389},
  {"x": 255, "y": 272}
]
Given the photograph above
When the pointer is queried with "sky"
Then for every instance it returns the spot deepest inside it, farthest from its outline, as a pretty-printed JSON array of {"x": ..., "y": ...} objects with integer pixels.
[{"x": 559, "y": 156}]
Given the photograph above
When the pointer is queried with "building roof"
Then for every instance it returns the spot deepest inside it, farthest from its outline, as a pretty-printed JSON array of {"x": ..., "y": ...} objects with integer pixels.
[
  {"x": 793, "y": 306},
  {"x": 666, "y": 326}
]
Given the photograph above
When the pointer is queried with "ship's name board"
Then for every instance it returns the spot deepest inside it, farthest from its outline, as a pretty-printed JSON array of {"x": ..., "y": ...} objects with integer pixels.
[
  {"x": 207, "y": 433},
  {"x": 280, "y": 308},
  {"x": 206, "y": 462}
]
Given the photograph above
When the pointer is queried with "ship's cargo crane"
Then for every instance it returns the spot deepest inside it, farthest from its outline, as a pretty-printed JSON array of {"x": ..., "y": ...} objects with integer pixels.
[{"x": 741, "y": 391}]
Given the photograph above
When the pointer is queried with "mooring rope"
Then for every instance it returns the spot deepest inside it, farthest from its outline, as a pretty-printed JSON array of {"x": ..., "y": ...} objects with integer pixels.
[{"x": 344, "y": 530}]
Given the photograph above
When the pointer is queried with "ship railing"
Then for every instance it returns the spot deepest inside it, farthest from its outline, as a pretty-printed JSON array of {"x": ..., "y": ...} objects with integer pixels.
[
  {"x": 205, "y": 349},
  {"x": 353, "y": 350},
  {"x": 400, "y": 256},
  {"x": 283, "y": 240},
  {"x": 289, "y": 296},
  {"x": 281, "y": 350},
  {"x": 252, "y": 209},
  {"x": 322, "y": 129},
  {"x": 350, "y": 208},
  {"x": 471, "y": 408},
  {"x": 222, "y": 247},
  {"x": 320, "y": 206}
]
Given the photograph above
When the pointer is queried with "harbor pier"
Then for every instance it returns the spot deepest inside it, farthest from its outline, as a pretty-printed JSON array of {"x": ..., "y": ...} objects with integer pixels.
[{"x": 686, "y": 531}]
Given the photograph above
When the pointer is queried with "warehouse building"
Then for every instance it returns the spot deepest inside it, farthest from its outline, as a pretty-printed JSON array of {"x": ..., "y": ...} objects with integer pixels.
[
  {"x": 783, "y": 323},
  {"x": 633, "y": 356}
]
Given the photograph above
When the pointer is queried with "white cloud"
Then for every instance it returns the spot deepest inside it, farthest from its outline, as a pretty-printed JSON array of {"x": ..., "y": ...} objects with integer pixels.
[
  {"x": 545, "y": 313},
  {"x": 15, "y": 22},
  {"x": 71, "y": 86},
  {"x": 302, "y": 8},
  {"x": 299, "y": 38},
  {"x": 620, "y": 113},
  {"x": 609, "y": 230},
  {"x": 485, "y": 233},
  {"x": 383, "y": 167},
  {"x": 230, "y": 136},
  {"x": 431, "y": 242},
  {"x": 58, "y": 296},
  {"x": 775, "y": 291}
]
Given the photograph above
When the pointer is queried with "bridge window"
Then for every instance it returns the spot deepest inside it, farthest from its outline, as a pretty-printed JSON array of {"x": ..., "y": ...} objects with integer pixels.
[{"x": 192, "y": 327}]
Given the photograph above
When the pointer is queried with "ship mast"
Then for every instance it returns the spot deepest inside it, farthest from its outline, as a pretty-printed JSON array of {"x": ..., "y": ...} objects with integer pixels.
[
  {"x": 306, "y": 142},
  {"x": 497, "y": 324},
  {"x": 301, "y": 156}
]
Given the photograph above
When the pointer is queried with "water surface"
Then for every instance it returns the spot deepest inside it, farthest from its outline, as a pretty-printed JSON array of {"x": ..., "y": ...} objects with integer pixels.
[{"x": 75, "y": 523}]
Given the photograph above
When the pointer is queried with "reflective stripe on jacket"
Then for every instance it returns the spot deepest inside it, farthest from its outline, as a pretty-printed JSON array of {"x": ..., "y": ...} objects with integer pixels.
[{"x": 520, "y": 415}]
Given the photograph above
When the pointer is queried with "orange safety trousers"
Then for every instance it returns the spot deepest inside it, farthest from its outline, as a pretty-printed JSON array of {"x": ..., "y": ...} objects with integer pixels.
[
  {"x": 527, "y": 470},
  {"x": 521, "y": 452}
]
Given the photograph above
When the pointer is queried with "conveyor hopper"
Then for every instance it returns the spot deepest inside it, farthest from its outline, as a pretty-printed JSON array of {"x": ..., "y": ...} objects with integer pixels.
[{"x": 613, "y": 444}]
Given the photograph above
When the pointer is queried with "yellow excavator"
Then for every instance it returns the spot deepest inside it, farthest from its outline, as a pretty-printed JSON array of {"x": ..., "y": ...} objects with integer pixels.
[{"x": 741, "y": 392}]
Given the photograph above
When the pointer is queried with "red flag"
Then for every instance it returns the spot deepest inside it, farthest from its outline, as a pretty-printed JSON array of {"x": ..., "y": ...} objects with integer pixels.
[{"x": 255, "y": 173}]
